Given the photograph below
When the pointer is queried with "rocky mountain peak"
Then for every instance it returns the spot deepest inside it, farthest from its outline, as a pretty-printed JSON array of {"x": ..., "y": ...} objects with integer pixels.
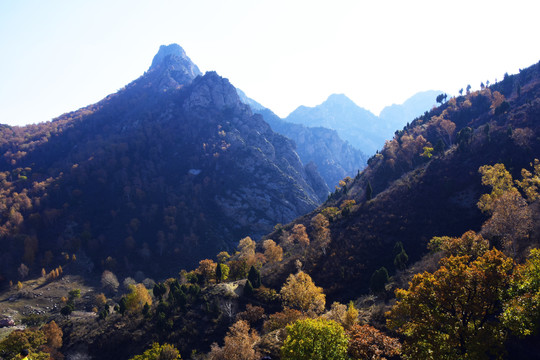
[
  {"x": 212, "y": 90},
  {"x": 173, "y": 67}
]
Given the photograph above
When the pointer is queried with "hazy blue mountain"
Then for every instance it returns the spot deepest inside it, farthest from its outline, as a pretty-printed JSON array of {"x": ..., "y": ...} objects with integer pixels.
[
  {"x": 356, "y": 125},
  {"x": 333, "y": 157},
  {"x": 396, "y": 116}
]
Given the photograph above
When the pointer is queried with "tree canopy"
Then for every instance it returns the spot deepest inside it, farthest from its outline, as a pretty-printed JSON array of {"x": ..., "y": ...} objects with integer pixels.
[{"x": 315, "y": 339}]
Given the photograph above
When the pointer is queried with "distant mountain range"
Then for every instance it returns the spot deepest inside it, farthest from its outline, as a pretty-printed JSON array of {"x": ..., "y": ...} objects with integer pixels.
[
  {"x": 318, "y": 146},
  {"x": 337, "y": 135},
  {"x": 361, "y": 128}
]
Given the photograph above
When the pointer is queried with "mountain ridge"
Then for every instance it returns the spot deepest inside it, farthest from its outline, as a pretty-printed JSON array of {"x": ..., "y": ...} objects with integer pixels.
[
  {"x": 334, "y": 158},
  {"x": 172, "y": 165},
  {"x": 360, "y": 127}
]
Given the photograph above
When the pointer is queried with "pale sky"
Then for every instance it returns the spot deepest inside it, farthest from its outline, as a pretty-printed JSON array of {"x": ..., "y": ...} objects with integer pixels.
[{"x": 60, "y": 55}]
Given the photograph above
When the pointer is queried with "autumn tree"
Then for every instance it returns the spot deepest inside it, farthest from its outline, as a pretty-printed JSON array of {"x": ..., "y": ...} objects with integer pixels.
[
  {"x": 281, "y": 319},
  {"x": 522, "y": 309},
  {"x": 222, "y": 257},
  {"x": 53, "y": 334},
  {"x": 366, "y": 342},
  {"x": 238, "y": 344},
  {"x": 246, "y": 252},
  {"x": 299, "y": 292},
  {"x": 206, "y": 271},
  {"x": 345, "y": 315},
  {"x": 16, "y": 341},
  {"x": 336, "y": 312},
  {"x": 470, "y": 243},
  {"x": 321, "y": 232},
  {"x": 299, "y": 235},
  {"x": 452, "y": 313},
  {"x": 137, "y": 298},
  {"x": 246, "y": 248},
  {"x": 272, "y": 252},
  {"x": 500, "y": 181},
  {"x": 252, "y": 314},
  {"x": 351, "y": 316},
  {"x": 530, "y": 183},
  {"x": 159, "y": 352},
  {"x": 511, "y": 218},
  {"x": 100, "y": 300},
  {"x": 448, "y": 128},
  {"x": 315, "y": 339}
]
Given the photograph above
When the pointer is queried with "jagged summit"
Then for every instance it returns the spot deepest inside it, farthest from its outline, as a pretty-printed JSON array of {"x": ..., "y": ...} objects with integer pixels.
[{"x": 173, "y": 67}]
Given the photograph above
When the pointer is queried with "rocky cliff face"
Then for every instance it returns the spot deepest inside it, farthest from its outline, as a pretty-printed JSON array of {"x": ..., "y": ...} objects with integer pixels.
[
  {"x": 270, "y": 182},
  {"x": 172, "y": 68},
  {"x": 321, "y": 147}
]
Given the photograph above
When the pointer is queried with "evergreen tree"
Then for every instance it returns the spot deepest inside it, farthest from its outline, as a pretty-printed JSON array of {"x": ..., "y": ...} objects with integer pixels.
[
  {"x": 248, "y": 289},
  {"x": 439, "y": 147},
  {"x": 146, "y": 309},
  {"x": 398, "y": 247},
  {"x": 219, "y": 273},
  {"x": 369, "y": 191},
  {"x": 123, "y": 306},
  {"x": 254, "y": 277},
  {"x": 378, "y": 280},
  {"x": 401, "y": 259}
]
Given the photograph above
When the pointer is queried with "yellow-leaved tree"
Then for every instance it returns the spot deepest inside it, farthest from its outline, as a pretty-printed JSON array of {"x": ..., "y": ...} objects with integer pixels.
[
  {"x": 511, "y": 217},
  {"x": 300, "y": 292},
  {"x": 137, "y": 298},
  {"x": 452, "y": 313}
]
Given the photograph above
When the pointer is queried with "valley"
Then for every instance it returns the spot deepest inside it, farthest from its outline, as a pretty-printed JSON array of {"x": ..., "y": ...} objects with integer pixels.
[{"x": 180, "y": 219}]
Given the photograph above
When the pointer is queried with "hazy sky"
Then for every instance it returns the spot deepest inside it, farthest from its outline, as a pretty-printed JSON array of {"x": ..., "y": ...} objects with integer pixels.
[{"x": 57, "y": 56}]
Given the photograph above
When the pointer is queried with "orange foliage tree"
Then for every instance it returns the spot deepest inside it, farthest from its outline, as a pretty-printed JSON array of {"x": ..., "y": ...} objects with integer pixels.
[
  {"x": 366, "y": 342},
  {"x": 239, "y": 344},
  {"x": 272, "y": 252}
]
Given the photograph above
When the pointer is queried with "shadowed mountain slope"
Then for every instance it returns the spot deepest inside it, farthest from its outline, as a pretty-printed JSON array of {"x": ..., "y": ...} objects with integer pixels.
[{"x": 172, "y": 167}]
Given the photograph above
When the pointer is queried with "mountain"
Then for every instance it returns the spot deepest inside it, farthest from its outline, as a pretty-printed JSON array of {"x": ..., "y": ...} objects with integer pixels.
[
  {"x": 172, "y": 167},
  {"x": 425, "y": 183},
  {"x": 358, "y": 126},
  {"x": 256, "y": 303},
  {"x": 353, "y": 123},
  {"x": 334, "y": 158},
  {"x": 396, "y": 116}
]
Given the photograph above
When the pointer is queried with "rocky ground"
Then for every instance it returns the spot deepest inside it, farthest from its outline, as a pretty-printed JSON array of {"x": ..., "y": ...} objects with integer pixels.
[{"x": 42, "y": 300}]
